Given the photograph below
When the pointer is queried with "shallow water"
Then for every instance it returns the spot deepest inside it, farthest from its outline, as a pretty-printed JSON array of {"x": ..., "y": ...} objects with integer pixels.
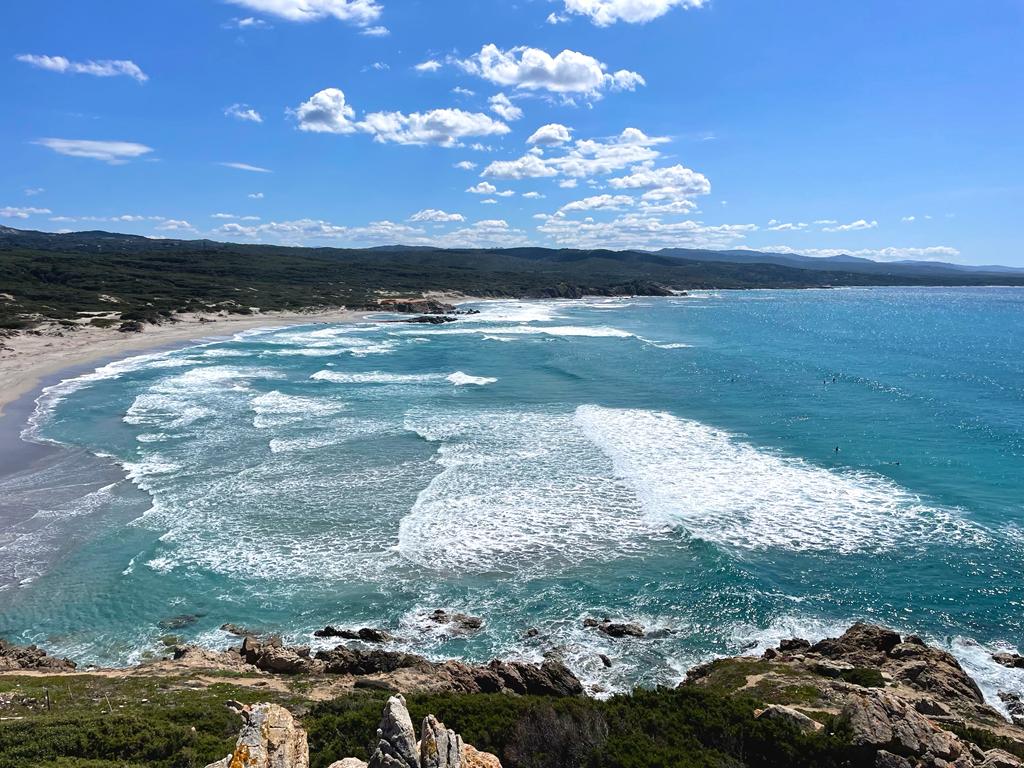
[{"x": 725, "y": 469}]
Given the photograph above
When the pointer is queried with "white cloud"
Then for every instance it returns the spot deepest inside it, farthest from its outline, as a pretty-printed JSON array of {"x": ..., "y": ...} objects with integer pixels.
[
  {"x": 606, "y": 12},
  {"x": 853, "y": 226},
  {"x": 246, "y": 167},
  {"x": 360, "y": 12},
  {"x": 256, "y": 195},
  {"x": 326, "y": 112},
  {"x": 302, "y": 230},
  {"x": 533, "y": 195},
  {"x": 908, "y": 219},
  {"x": 826, "y": 221},
  {"x": 460, "y": 91},
  {"x": 639, "y": 230},
  {"x": 33, "y": 191},
  {"x": 599, "y": 203},
  {"x": 432, "y": 214},
  {"x": 377, "y": 31},
  {"x": 554, "y": 18},
  {"x": 175, "y": 225},
  {"x": 489, "y": 201},
  {"x": 465, "y": 165},
  {"x": 569, "y": 72},
  {"x": 676, "y": 177},
  {"x": 244, "y": 112},
  {"x": 103, "y": 68},
  {"x": 247, "y": 23},
  {"x": 113, "y": 152},
  {"x": 503, "y": 107},
  {"x": 483, "y": 188},
  {"x": 430, "y": 65},
  {"x": 568, "y": 184},
  {"x": 528, "y": 166},
  {"x": 444, "y": 127},
  {"x": 550, "y": 134},
  {"x": 779, "y": 226},
  {"x": 22, "y": 213},
  {"x": 233, "y": 216}
]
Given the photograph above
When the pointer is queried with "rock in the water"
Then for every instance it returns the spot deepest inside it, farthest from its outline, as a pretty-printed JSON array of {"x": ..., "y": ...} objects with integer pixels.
[
  {"x": 440, "y": 747},
  {"x": 460, "y": 622},
  {"x": 396, "y": 738},
  {"x": 614, "y": 629},
  {"x": 789, "y": 715},
  {"x": 604, "y": 659},
  {"x": 366, "y": 634},
  {"x": 15, "y": 658},
  {"x": 1014, "y": 706},
  {"x": 1011, "y": 660},
  {"x": 270, "y": 738}
]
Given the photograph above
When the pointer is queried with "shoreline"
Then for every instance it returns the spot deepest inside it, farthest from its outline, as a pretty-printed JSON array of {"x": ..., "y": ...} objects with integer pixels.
[{"x": 28, "y": 360}]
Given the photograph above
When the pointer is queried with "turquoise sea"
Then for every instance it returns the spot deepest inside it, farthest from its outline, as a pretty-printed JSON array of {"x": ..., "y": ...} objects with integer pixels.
[{"x": 725, "y": 469}]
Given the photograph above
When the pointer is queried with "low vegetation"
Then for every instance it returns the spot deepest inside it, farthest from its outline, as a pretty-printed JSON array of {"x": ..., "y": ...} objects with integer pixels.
[{"x": 95, "y": 722}]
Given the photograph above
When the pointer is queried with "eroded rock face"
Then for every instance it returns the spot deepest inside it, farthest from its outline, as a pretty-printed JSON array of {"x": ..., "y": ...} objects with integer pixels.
[
  {"x": 789, "y": 715},
  {"x": 349, "y": 762},
  {"x": 474, "y": 758},
  {"x": 270, "y": 738},
  {"x": 15, "y": 658},
  {"x": 440, "y": 747},
  {"x": 396, "y": 739}
]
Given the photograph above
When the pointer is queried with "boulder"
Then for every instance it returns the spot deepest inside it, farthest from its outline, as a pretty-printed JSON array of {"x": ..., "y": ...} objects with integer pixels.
[
  {"x": 614, "y": 629},
  {"x": 269, "y": 738},
  {"x": 396, "y": 738},
  {"x": 15, "y": 658},
  {"x": 349, "y": 762},
  {"x": 366, "y": 634},
  {"x": 474, "y": 758},
  {"x": 459, "y": 622},
  {"x": 882, "y": 721},
  {"x": 885, "y": 759},
  {"x": 351, "y": 661},
  {"x": 1014, "y": 706},
  {"x": 788, "y": 715},
  {"x": 440, "y": 747},
  {"x": 997, "y": 758},
  {"x": 1011, "y": 660}
]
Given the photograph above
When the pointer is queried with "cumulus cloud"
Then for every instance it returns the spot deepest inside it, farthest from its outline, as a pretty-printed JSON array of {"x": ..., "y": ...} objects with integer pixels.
[
  {"x": 243, "y": 112},
  {"x": 465, "y": 165},
  {"x": 175, "y": 225},
  {"x": 246, "y": 167},
  {"x": 676, "y": 177},
  {"x": 113, "y": 152},
  {"x": 103, "y": 68},
  {"x": 585, "y": 158},
  {"x": 533, "y": 195},
  {"x": 247, "y": 23},
  {"x": 256, "y": 196},
  {"x": 22, "y": 213},
  {"x": 503, "y": 107},
  {"x": 359, "y": 12},
  {"x": 444, "y": 127},
  {"x": 434, "y": 215},
  {"x": 483, "y": 188},
  {"x": 908, "y": 219},
  {"x": 550, "y": 135},
  {"x": 639, "y": 230},
  {"x": 326, "y": 111},
  {"x": 377, "y": 31},
  {"x": 853, "y": 226},
  {"x": 599, "y": 203},
  {"x": 567, "y": 73},
  {"x": 33, "y": 191},
  {"x": 606, "y": 12},
  {"x": 430, "y": 65},
  {"x": 779, "y": 226}
]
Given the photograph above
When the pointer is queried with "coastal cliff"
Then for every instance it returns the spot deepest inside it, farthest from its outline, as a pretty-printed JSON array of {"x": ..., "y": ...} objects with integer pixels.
[{"x": 867, "y": 698}]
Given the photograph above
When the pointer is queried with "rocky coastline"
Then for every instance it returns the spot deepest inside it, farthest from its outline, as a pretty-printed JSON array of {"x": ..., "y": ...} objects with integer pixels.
[{"x": 896, "y": 701}]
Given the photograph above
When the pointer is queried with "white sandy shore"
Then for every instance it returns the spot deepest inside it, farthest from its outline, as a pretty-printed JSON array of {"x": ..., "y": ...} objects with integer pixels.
[{"x": 28, "y": 358}]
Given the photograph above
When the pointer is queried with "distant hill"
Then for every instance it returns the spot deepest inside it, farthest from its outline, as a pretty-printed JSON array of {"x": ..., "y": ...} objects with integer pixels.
[
  {"x": 843, "y": 263},
  {"x": 63, "y": 276}
]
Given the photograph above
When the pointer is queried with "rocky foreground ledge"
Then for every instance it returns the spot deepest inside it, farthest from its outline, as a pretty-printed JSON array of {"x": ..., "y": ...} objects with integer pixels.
[{"x": 887, "y": 701}]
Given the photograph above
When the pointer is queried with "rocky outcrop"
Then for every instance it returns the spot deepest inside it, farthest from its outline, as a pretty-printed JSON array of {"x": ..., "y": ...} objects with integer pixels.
[
  {"x": 456, "y": 623},
  {"x": 17, "y": 658},
  {"x": 349, "y": 762},
  {"x": 416, "y": 306},
  {"x": 1010, "y": 660},
  {"x": 438, "y": 747},
  {"x": 788, "y": 715},
  {"x": 270, "y": 738},
  {"x": 366, "y": 634},
  {"x": 614, "y": 628},
  {"x": 900, "y": 698},
  {"x": 432, "y": 319}
]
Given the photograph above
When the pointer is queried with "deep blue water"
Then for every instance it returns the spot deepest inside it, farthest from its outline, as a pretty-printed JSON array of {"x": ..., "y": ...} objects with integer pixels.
[{"x": 725, "y": 469}]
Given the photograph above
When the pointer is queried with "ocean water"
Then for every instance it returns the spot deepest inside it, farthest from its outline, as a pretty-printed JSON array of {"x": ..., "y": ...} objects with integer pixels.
[{"x": 726, "y": 469}]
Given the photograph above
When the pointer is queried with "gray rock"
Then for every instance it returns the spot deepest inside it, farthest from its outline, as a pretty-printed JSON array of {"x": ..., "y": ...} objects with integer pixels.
[
  {"x": 882, "y": 721},
  {"x": 349, "y": 762},
  {"x": 439, "y": 746},
  {"x": 997, "y": 758},
  {"x": 1011, "y": 660},
  {"x": 269, "y": 738},
  {"x": 396, "y": 738},
  {"x": 885, "y": 759},
  {"x": 16, "y": 657}
]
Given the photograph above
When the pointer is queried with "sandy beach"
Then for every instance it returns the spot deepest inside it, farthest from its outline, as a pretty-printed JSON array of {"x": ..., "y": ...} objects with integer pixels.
[{"x": 28, "y": 358}]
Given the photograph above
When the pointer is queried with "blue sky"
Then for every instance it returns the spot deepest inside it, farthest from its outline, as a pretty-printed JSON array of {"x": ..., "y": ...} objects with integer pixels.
[{"x": 890, "y": 130}]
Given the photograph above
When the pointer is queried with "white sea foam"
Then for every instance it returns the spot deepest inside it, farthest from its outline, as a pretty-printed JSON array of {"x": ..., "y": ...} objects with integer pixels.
[
  {"x": 515, "y": 312},
  {"x": 593, "y": 331},
  {"x": 275, "y": 409},
  {"x": 460, "y": 379},
  {"x": 520, "y": 491},
  {"x": 728, "y": 492},
  {"x": 375, "y": 377}
]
